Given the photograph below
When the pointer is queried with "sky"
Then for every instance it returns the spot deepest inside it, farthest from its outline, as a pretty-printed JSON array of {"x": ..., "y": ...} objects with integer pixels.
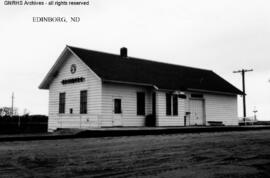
[{"x": 219, "y": 35}]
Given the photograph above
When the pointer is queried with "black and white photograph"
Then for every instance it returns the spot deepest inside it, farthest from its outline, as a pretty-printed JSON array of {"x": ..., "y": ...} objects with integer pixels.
[{"x": 133, "y": 88}]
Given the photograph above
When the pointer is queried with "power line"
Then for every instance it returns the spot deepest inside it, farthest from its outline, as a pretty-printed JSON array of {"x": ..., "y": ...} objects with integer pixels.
[{"x": 243, "y": 71}]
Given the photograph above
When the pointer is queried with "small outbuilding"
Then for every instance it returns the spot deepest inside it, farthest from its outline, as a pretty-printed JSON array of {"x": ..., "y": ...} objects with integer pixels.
[{"x": 96, "y": 89}]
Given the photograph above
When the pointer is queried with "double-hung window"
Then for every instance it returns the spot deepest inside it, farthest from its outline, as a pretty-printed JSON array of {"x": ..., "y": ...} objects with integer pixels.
[
  {"x": 83, "y": 102},
  {"x": 62, "y": 103},
  {"x": 168, "y": 104},
  {"x": 117, "y": 106},
  {"x": 175, "y": 105},
  {"x": 171, "y": 104}
]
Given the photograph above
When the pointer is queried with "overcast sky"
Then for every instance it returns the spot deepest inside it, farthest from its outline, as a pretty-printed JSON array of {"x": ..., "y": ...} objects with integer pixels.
[{"x": 219, "y": 35}]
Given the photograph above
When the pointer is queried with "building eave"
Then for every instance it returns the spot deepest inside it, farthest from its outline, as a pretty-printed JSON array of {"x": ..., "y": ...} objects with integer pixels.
[
  {"x": 49, "y": 76},
  {"x": 131, "y": 83},
  {"x": 211, "y": 91},
  {"x": 45, "y": 84}
]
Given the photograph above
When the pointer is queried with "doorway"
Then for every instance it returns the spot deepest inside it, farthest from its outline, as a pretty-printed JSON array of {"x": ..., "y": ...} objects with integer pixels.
[
  {"x": 196, "y": 112},
  {"x": 117, "y": 112}
]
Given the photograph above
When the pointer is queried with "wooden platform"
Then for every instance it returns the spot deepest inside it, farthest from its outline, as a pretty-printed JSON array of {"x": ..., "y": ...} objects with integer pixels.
[{"x": 125, "y": 131}]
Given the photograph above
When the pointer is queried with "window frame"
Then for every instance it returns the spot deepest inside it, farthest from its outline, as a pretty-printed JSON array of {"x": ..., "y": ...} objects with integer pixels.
[
  {"x": 62, "y": 103},
  {"x": 168, "y": 104},
  {"x": 117, "y": 110},
  {"x": 83, "y": 101},
  {"x": 171, "y": 104},
  {"x": 175, "y": 105}
]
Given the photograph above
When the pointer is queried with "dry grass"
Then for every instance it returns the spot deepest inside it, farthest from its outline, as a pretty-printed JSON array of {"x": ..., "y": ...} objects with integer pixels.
[{"x": 231, "y": 154}]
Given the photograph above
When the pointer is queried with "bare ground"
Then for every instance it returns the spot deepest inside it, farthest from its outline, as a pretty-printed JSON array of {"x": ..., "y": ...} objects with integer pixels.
[{"x": 230, "y": 154}]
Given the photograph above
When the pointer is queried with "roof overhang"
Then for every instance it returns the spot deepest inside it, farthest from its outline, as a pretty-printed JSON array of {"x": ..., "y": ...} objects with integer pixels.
[
  {"x": 131, "y": 83},
  {"x": 212, "y": 92},
  {"x": 45, "y": 84}
]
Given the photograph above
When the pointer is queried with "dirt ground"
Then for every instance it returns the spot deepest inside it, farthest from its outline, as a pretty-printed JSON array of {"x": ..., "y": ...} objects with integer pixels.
[{"x": 230, "y": 154}]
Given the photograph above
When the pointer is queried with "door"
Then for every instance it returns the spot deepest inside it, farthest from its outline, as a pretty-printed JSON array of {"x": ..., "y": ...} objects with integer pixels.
[
  {"x": 117, "y": 112},
  {"x": 154, "y": 104},
  {"x": 196, "y": 112}
]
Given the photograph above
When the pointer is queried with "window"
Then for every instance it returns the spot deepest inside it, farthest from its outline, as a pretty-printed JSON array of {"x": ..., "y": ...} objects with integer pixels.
[
  {"x": 140, "y": 103},
  {"x": 62, "y": 103},
  {"x": 197, "y": 95},
  {"x": 171, "y": 104},
  {"x": 117, "y": 106},
  {"x": 83, "y": 102},
  {"x": 175, "y": 105},
  {"x": 168, "y": 104},
  {"x": 182, "y": 96}
]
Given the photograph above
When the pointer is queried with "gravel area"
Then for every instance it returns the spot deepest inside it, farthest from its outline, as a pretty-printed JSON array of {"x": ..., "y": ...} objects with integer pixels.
[{"x": 228, "y": 154}]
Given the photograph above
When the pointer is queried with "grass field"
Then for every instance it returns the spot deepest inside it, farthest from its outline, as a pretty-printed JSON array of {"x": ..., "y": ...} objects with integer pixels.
[{"x": 230, "y": 154}]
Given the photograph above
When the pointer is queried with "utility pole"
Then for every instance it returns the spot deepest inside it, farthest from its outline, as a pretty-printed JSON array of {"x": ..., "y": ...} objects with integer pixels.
[
  {"x": 12, "y": 103},
  {"x": 243, "y": 71}
]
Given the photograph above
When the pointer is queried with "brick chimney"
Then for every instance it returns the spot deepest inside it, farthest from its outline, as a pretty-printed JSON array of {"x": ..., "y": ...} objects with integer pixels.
[{"x": 124, "y": 52}]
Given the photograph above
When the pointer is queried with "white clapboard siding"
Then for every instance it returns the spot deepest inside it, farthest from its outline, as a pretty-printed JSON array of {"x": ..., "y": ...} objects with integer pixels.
[
  {"x": 128, "y": 96},
  {"x": 221, "y": 108},
  {"x": 77, "y": 121},
  {"x": 93, "y": 86},
  {"x": 162, "y": 118}
]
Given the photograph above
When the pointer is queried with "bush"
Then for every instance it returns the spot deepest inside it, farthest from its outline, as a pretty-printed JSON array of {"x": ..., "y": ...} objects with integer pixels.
[{"x": 23, "y": 124}]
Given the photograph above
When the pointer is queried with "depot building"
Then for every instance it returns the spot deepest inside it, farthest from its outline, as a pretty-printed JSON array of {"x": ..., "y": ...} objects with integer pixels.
[{"x": 96, "y": 89}]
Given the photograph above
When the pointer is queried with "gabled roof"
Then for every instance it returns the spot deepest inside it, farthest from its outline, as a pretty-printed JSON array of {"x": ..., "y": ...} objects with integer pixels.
[{"x": 112, "y": 67}]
